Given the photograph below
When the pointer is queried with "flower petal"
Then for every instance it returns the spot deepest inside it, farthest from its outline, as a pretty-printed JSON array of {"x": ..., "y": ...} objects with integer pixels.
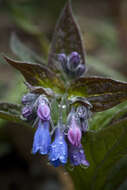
[
  {"x": 58, "y": 150},
  {"x": 77, "y": 155},
  {"x": 42, "y": 138}
]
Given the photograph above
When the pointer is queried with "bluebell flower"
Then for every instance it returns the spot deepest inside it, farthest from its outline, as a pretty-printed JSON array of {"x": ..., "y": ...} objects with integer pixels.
[
  {"x": 77, "y": 156},
  {"x": 58, "y": 150},
  {"x": 42, "y": 138}
]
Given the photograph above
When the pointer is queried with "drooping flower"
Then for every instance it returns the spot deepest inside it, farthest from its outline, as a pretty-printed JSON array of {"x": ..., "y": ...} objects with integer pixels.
[
  {"x": 74, "y": 133},
  {"x": 77, "y": 156},
  {"x": 42, "y": 138},
  {"x": 58, "y": 153}
]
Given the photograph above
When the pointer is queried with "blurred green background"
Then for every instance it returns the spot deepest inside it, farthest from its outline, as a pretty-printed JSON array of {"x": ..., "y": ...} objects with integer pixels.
[{"x": 104, "y": 27}]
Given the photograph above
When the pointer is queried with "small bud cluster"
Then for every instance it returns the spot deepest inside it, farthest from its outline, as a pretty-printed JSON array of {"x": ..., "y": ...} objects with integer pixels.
[{"x": 72, "y": 64}]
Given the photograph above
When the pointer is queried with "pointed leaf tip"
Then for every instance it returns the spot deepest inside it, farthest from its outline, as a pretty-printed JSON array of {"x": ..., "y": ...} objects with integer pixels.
[{"x": 67, "y": 37}]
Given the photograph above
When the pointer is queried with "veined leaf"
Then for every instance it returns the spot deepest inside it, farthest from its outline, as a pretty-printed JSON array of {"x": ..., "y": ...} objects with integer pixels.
[
  {"x": 37, "y": 74},
  {"x": 102, "y": 93},
  {"x": 67, "y": 37}
]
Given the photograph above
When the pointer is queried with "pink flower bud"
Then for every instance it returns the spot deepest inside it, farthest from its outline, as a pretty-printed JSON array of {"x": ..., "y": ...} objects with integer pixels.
[
  {"x": 43, "y": 111},
  {"x": 74, "y": 133}
]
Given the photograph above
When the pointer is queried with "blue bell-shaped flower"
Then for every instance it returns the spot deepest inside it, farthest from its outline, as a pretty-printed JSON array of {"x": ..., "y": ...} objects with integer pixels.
[
  {"x": 58, "y": 153},
  {"x": 42, "y": 138}
]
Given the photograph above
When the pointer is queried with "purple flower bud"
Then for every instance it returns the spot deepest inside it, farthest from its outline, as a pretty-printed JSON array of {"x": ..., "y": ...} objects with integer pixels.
[
  {"x": 29, "y": 98},
  {"x": 74, "y": 133},
  {"x": 77, "y": 156},
  {"x": 43, "y": 111},
  {"x": 62, "y": 58},
  {"x": 27, "y": 112},
  {"x": 74, "y": 60}
]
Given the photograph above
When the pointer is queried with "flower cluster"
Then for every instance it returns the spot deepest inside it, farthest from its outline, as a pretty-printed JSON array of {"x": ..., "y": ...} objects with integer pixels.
[{"x": 63, "y": 140}]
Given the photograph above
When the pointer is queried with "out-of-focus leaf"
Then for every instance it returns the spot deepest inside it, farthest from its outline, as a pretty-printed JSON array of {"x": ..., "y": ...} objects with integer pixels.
[
  {"x": 37, "y": 74},
  {"x": 103, "y": 149},
  {"x": 102, "y": 93},
  {"x": 67, "y": 37},
  {"x": 22, "y": 20},
  {"x": 119, "y": 172},
  {"x": 23, "y": 52},
  {"x": 98, "y": 66},
  {"x": 11, "y": 112},
  {"x": 26, "y": 23}
]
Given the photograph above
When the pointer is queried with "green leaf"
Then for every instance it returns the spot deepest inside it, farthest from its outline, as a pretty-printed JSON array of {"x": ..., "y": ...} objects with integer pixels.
[
  {"x": 37, "y": 74},
  {"x": 103, "y": 150},
  {"x": 23, "y": 52},
  {"x": 67, "y": 37},
  {"x": 11, "y": 112},
  {"x": 119, "y": 172},
  {"x": 102, "y": 93}
]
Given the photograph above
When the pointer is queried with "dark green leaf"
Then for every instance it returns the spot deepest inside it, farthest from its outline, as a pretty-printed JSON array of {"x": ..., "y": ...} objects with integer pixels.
[
  {"x": 37, "y": 74},
  {"x": 102, "y": 93},
  {"x": 103, "y": 149},
  {"x": 67, "y": 37},
  {"x": 119, "y": 172},
  {"x": 11, "y": 112}
]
